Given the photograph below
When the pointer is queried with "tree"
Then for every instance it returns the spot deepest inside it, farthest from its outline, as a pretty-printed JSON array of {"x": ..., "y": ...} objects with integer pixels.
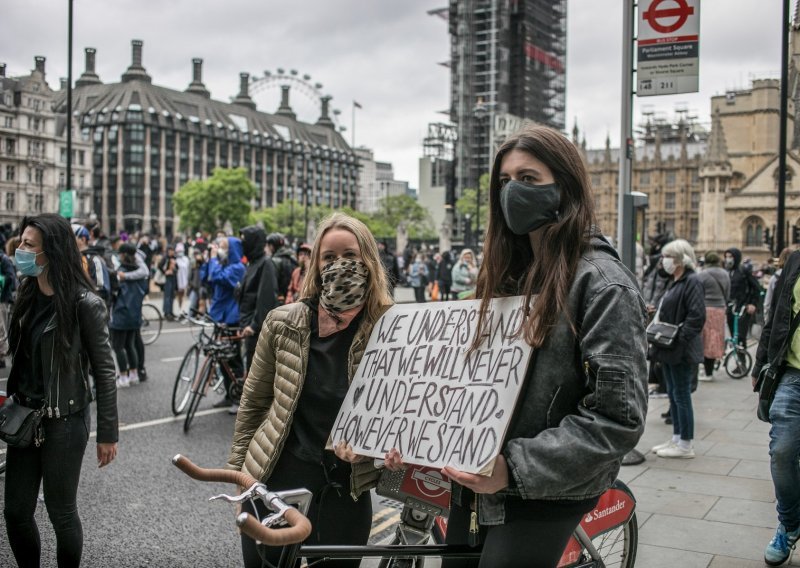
[
  {"x": 402, "y": 209},
  {"x": 467, "y": 204},
  {"x": 207, "y": 205}
]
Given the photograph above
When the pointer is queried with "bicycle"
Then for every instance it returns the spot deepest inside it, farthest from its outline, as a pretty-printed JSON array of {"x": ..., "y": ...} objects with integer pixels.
[
  {"x": 606, "y": 537},
  {"x": 211, "y": 374},
  {"x": 736, "y": 360},
  {"x": 152, "y": 321},
  {"x": 187, "y": 372}
]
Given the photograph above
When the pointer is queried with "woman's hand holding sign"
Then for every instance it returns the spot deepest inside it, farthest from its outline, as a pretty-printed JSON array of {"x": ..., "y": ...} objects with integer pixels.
[
  {"x": 344, "y": 452},
  {"x": 482, "y": 483}
]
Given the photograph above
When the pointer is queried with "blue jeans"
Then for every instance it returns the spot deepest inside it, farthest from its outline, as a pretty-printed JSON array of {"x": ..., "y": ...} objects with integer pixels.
[
  {"x": 784, "y": 448},
  {"x": 679, "y": 388},
  {"x": 170, "y": 286}
]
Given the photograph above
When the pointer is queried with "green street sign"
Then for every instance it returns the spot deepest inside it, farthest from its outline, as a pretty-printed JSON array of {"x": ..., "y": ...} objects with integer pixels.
[{"x": 66, "y": 203}]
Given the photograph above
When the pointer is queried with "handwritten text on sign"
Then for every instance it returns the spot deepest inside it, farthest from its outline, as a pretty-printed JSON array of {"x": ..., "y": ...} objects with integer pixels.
[{"x": 417, "y": 390}]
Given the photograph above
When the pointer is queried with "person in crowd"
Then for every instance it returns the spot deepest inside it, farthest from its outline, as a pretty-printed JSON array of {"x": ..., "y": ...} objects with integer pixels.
[
  {"x": 259, "y": 290},
  {"x": 391, "y": 265},
  {"x": 225, "y": 272},
  {"x": 654, "y": 283},
  {"x": 745, "y": 293},
  {"x": 147, "y": 250},
  {"x": 196, "y": 288},
  {"x": 58, "y": 334},
  {"x": 716, "y": 292},
  {"x": 418, "y": 277},
  {"x": 432, "y": 264},
  {"x": 328, "y": 330},
  {"x": 573, "y": 423},
  {"x": 299, "y": 274},
  {"x": 684, "y": 305},
  {"x": 169, "y": 267},
  {"x": 444, "y": 275},
  {"x": 141, "y": 275},
  {"x": 126, "y": 317},
  {"x": 182, "y": 273},
  {"x": 94, "y": 263},
  {"x": 285, "y": 262},
  {"x": 8, "y": 288},
  {"x": 780, "y": 348},
  {"x": 465, "y": 275},
  {"x": 773, "y": 281}
]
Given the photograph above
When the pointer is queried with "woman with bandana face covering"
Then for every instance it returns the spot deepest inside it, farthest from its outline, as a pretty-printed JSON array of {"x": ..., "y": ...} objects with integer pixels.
[
  {"x": 582, "y": 406},
  {"x": 306, "y": 356}
]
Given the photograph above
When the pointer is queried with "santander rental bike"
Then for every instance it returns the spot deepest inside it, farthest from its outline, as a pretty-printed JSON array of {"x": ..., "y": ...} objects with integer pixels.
[{"x": 607, "y": 537}]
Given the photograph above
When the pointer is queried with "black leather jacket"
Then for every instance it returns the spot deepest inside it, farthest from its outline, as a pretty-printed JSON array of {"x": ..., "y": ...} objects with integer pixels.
[
  {"x": 775, "y": 339},
  {"x": 71, "y": 392}
]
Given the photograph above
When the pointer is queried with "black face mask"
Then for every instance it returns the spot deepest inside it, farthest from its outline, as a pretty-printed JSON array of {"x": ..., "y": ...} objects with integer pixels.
[{"x": 527, "y": 207}]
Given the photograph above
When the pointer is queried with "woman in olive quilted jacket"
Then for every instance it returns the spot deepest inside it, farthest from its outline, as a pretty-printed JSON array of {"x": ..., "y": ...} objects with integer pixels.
[{"x": 306, "y": 356}]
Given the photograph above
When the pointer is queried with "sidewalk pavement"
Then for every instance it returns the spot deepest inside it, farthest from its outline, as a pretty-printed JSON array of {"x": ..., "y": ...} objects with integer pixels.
[{"x": 717, "y": 509}]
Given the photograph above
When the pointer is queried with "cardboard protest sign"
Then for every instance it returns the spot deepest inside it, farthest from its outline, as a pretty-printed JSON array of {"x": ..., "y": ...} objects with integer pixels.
[{"x": 417, "y": 390}]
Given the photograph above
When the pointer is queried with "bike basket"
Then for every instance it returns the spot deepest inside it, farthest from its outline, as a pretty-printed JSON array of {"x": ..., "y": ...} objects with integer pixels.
[{"x": 425, "y": 489}]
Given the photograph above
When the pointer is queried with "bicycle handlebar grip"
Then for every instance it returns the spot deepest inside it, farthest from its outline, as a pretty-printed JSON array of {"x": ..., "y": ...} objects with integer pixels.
[
  {"x": 194, "y": 471},
  {"x": 298, "y": 531}
]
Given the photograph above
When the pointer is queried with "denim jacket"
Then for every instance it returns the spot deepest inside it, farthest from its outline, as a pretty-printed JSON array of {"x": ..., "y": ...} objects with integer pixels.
[{"x": 585, "y": 403}]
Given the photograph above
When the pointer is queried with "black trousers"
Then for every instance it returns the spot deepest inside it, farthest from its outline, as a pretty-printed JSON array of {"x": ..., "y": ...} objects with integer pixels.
[
  {"x": 534, "y": 535},
  {"x": 140, "y": 352},
  {"x": 124, "y": 343},
  {"x": 57, "y": 464},
  {"x": 335, "y": 517}
]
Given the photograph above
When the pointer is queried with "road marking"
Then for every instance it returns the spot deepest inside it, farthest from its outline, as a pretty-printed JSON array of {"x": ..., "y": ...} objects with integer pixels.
[
  {"x": 172, "y": 359},
  {"x": 383, "y": 513},
  {"x": 160, "y": 421},
  {"x": 385, "y": 524}
]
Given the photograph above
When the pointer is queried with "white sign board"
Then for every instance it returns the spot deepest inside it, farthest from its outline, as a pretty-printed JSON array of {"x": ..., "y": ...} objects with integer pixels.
[
  {"x": 668, "y": 47},
  {"x": 416, "y": 389}
]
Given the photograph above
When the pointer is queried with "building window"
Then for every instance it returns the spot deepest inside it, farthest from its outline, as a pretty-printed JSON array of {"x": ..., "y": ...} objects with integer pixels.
[
  {"x": 695, "y": 177},
  {"x": 669, "y": 179},
  {"x": 694, "y": 230},
  {"x": 644, "y": 178},
  {"x": 11, "y": 173},
  {"x": 753, "y": 232},
  {"x": 39, "y": 176},
  {"x": 11, "y": 146},
  {"x": 62, "y": 155},
  {"x": 9, "y": 201},
  {"x": 9, "y": 122},
  {"x": 62, "y": 179},
  {"x": 36, "y": 124},
  {"x": 695, "y": 200},
  {"x": 669, "y": 201},
  {"x": 38, "y": 202}
]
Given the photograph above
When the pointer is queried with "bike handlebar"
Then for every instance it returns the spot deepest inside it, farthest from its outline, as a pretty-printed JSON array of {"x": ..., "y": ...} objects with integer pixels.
[{"x": 299, "y": 525}]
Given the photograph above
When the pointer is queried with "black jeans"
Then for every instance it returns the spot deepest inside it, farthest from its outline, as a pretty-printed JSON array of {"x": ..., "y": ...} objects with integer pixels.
[
  {"x": 534, "y": 535},
  {"x": 139, "y": 351},
  {"x": 124, "y": 343},
  {"x": 57, "y": 463},
  {"x": 335, "y": 517}
]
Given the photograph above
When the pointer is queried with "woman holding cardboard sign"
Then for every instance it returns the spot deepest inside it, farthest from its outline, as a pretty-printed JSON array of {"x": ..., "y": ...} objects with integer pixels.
[
  {"x": 583, "y": 404},
  {"x": 305, "y": 358}
]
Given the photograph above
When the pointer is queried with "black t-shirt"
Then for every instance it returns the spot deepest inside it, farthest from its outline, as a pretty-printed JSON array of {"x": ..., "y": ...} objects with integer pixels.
[
  {"x": 31, "y": 377},
  {"x": 324, "y": 390}
]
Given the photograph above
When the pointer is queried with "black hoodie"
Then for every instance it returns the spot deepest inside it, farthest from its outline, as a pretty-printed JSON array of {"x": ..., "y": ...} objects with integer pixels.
[
  {"x": 744, "y": 286},
  {"x": 258, "y": 294}
]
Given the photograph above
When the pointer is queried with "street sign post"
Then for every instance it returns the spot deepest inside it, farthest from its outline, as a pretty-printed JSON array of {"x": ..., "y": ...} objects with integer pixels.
[
  {"x": 668, "y": 47},
  {"x": 66, "y": 203}
]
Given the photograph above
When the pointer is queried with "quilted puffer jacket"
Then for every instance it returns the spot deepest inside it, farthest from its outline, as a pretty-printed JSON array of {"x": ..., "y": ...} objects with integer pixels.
[{"x": 272, "y": 390}]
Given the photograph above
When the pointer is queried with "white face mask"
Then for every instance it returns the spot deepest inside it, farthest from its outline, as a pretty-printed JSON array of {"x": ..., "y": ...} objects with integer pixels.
[{"x": 668, "y": 264}]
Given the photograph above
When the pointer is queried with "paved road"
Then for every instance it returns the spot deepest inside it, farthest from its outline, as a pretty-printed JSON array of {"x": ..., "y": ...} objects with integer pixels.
[{"x": 716, "y": 510}]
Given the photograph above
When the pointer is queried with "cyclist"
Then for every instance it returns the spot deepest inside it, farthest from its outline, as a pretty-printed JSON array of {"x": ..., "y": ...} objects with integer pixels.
[
  {"x": 305, "y": 358},
  {"x": 745, "y": 291},
  {"x": 573, "y": 423}
]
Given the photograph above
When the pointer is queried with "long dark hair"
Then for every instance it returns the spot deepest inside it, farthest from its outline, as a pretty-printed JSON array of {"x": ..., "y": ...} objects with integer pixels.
[
  {"x": 66, "y": 276},
  {"x": 509, "y": 267}
]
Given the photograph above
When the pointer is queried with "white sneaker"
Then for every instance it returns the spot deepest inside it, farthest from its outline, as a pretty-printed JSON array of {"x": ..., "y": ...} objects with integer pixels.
[
  {"x": 676, "y": 452},
  {"x": 122, "y": 382},
  {"x": 706, "y": 379},
  {"x": 664, "y": 446}
]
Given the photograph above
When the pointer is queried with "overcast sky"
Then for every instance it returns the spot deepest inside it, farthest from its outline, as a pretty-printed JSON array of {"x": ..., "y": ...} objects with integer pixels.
[{"x": 385, "y": 54}]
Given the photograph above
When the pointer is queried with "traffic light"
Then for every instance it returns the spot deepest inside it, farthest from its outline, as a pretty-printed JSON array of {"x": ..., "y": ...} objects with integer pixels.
[
  {"x": 795, "y": 235},
  {"x": 769, "y": 238}
]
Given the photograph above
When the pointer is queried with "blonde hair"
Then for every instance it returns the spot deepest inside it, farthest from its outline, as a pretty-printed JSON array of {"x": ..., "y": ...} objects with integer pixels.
[
  {"x": 680, "y": 248},
  {"x": 377, "y": 284}
]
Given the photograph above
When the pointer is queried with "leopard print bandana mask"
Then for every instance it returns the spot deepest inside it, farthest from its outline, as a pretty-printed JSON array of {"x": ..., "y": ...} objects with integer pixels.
[{"x": 344, "y": 285}]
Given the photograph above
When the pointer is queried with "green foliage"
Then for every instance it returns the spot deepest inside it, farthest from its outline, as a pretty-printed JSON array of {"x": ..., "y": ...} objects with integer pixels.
[
  {"x": 402, "y": 209},
  {"x": 467, "y": 203},
  {"x": 206, "y": 205}
]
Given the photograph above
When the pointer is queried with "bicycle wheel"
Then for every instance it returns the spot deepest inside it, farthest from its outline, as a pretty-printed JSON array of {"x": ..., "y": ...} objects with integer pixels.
[
  {"x": 151, "y": 323},
  {"x": 617, "y": 547},
  {"x": 183, "y": 380},
  {"x": 198, "y": 392},
  {"x": 738, "y": 363}
]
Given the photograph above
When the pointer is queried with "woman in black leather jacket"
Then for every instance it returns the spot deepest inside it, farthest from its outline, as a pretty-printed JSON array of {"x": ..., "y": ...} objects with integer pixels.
[{"x": 58, "y": 331}]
